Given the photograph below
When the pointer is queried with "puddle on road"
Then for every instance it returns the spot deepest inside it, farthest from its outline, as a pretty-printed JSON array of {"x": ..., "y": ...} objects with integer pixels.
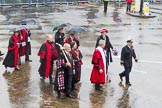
[{"x": 91, "y": 13}]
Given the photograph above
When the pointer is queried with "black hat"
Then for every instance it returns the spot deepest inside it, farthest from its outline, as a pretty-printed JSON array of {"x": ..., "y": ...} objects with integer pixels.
[{"x": 130, "y": 41}]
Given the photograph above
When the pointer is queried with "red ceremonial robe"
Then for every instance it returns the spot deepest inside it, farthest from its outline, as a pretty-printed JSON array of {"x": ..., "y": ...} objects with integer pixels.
[
  {"x": 69, "y": 40},
  {"x": 23, "y": 47},
  {"x": 46, "y": 58},
  {"x": 11, "y": 59},
  {"x": 98, "y": 60}
]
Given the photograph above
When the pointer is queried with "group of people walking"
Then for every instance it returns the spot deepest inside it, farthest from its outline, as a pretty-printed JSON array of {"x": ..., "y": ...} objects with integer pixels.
[
  {"x": 68, "y": 57},
  {"x": 19, "y": 46},
  {"x": 65, "y": 52},
  {"x": 102, "y": 56}
]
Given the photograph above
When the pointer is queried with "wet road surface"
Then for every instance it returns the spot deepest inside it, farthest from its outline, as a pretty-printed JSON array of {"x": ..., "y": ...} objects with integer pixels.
[{"x": 24, "y": 89}]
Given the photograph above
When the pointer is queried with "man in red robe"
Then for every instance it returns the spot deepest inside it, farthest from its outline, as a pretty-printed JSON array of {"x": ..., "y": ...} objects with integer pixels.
[
  {"x": 98, "y": 75},
  {"x": 25, "y": 49},
  {"x": 47, "y": 54}
]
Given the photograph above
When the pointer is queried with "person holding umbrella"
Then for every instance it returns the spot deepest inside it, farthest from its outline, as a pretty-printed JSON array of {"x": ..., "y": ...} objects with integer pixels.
[
  {"x": 72, "y": 38},
  {"x": 73, "y": 32},
  {"x": 60, "y": 35},
  {"x": 59, "y": 38},
  {"x": 126, "y": 60},
  {"x": 12, "y": 58},
  {"x": 26, "y": 44}
]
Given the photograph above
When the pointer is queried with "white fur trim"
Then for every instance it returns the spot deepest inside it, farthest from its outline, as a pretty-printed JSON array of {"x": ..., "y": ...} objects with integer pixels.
[{"x": 103, "y": 58}]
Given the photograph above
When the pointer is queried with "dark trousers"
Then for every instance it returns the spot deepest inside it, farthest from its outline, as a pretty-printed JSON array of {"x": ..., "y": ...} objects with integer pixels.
[
  {"x": 128, "y": 7},
  {"x": 105, "y": 6},
  {"x": 70, "y": 84},
  {"x": 26, "y": 57},
  {"x": 51, "y": 72},
  {"x": 126, "y": 73},
  {"x": 28, "y": 51}
]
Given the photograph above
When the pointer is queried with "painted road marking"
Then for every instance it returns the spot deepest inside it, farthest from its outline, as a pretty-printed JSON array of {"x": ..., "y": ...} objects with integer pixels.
[
  {"x": 139, "y": 71},
  {"x": 143, "y": 61},
  {"x": 147, "y": 61}
]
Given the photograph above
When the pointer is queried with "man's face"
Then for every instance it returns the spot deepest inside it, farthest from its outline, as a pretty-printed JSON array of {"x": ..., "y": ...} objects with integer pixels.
[
  {"x": 130, "y": 43},
  {"x": 103, "y": 45},
  {"x": 61, "y": 30},
  {"x": 68, "y": 49},
  {"x": 50, "y": 39}
]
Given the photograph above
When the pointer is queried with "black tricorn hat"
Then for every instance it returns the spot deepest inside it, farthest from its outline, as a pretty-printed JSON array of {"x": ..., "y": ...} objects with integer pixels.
[{"x": 130, "y": 41}]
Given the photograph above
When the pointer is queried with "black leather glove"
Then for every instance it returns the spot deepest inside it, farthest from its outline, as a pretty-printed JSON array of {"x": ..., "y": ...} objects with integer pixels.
[
  {"x": 136, "y": 60},
  {"x": 122, "y": 63}
]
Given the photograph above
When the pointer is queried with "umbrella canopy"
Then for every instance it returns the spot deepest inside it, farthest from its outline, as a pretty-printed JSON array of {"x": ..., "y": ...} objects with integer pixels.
[
  {"x": 27, "y": 21},
  {"x": 61, "y": 26},
  {"x": 76, "y": 30},
  {"x": 19, "y": 28}
]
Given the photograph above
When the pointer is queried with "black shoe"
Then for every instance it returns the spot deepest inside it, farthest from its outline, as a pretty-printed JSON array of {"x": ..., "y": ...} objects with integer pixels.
[
  {"x": 98, "y": 88},
  {"x": 128, "y": 84},
  {"x": 121, "y": 78},
  {"x": 51, "y": 81}
]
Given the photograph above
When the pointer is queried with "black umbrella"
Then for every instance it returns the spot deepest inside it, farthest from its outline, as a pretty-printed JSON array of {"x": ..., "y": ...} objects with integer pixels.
[
  {"x": 76, "y": 30},
  {"x": 28, "y": 21},
  {"x": 61, "y": 26}
]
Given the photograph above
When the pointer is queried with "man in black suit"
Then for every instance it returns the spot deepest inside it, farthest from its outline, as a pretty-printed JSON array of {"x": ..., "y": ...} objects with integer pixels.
[
  {"x": 126, "y": 60},
  {"x": 59, "y": 38}
]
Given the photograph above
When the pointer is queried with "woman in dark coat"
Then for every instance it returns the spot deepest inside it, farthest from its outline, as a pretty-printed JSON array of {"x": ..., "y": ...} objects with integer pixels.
[
  {"x": 108, "y": 44},
  {"x": 77, "y": 58}
]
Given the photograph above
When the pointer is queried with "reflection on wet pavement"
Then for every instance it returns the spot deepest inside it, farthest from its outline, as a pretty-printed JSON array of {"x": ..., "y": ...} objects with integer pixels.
[
  {"x": 123, "y": 102},
  {"x": 18, "y": 82},
  {"x": 97, "y": 98}
]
